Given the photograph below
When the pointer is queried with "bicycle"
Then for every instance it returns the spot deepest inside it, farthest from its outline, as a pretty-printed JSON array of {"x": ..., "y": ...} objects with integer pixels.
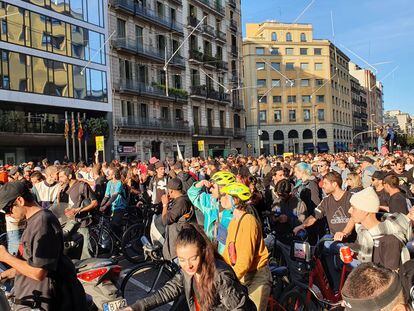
[{"x": 150, "y": 276}]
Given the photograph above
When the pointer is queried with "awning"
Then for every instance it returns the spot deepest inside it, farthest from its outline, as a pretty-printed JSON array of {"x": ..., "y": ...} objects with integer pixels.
[
  {"x": 308, "y": 146},
  {"x": 323, "y": 147}
]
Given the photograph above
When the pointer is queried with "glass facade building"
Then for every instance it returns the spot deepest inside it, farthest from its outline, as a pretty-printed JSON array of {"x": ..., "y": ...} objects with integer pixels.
[{"x": 53, "y": 63}]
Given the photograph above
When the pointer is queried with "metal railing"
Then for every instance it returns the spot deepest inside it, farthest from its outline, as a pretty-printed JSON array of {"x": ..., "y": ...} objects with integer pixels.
[
  {"x": 233, "y": 25},
  {"x": 209, "y": 30},
  {"x": 221, "y": 35},
  {"x": 209, "y": 93},
  {"x": 154, "y": 123},
  {"x": 196, "y": 55},
  {"x": 128, "y": 85},
  {"x": 239, "y": 132},
  {"x": 215, "y": 5},
  {"x": 143, "y": 11},
  {"x": 233, "y": 3},
  {"x": 211, "y": 131}
]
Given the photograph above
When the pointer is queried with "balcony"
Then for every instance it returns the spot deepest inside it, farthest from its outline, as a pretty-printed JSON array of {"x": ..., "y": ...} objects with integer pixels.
[
  {"x": 193, "y": 21},
  {"x": 209, "y": 30},
  {"x": 234, "y": 79},
  {"x": 196, "y": 55},
  {"x": 238, "y": 105},
  {"x": 221, "y": 65},
  {"x": 233, "y": 3},
  {"x": 213, "y": 5},
  {"x": 233, "y": 25},
  {"x": 32, "y": 125},
  {"x": 209, "y": 60},
  {"x": 199, "y": 91},
  {"x": 239, "y": 133},
  {"x": 363, "y": 115},
  {"x": 154, "y": 124},
  {"x": 146, "y": 51},
  {"x": 133, "y": 7},
  {"x": 221, "y": 36},
  {"x": 357, "y": 114},
  {"x": 156, "y": 90},
  {"x": 211, "y": 131},
  {"x": 202, "y": 91}
]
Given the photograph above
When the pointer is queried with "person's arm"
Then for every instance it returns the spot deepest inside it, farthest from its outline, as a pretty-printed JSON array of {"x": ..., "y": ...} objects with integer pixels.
[
  {"x": 339, "y": 236},
  {"x": 164, "y": 200},
  {"x": 198, "y": 197},
  {"x": 169, "y": 292},
  {"x": 21, "y": 266},
  {"x": 8, "y": 274},
  {"x": 309, "y": 222}
]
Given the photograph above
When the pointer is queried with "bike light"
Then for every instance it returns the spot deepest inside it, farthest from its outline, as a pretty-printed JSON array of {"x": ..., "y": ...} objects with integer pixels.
[
  {"x": 116, "y": 270},
  {"x": 92, "y": 275}
]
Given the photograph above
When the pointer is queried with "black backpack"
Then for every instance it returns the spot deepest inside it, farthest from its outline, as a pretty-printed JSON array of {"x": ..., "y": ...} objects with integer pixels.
[{"x": 406, "y": 274}]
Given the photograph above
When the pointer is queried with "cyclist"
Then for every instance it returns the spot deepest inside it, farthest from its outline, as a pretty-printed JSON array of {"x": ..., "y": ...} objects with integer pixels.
[
  {"x": 79, "y": 199},
  {"x": 47, "y": 190},
  {"x": 158, "y": 185},
  {"x": 245, "y": 247},
  {"x": 207, "y": 282},
  {"x": 216, "y": 219},
  {"x": 45, "y": 279},
  {"x": 115, "y": 197}
]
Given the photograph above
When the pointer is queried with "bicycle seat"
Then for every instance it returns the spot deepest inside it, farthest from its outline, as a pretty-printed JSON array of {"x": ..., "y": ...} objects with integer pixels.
[
  {"x": 92, "y": 263},
  {"x": 278, "y": 271}
]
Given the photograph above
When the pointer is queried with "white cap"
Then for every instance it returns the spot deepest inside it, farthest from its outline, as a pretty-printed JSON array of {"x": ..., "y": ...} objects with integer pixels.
[{"x": 366, "y": 200}]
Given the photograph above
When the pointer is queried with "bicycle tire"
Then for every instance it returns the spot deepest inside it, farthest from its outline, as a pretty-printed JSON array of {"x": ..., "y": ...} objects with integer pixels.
[
  {"x": 103, "y": 249},
  {"x": 131, "y": 243},
  {"x": 142, "y": 280},
  {"x": 294, "y": 299}
]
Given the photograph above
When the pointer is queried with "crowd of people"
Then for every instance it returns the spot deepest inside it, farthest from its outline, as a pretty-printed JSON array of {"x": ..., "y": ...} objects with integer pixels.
[{"x": 210, "y": 214}]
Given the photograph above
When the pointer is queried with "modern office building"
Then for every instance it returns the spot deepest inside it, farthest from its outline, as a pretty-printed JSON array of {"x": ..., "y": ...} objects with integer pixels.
[
  {"x": 200, "y": 42},
  {"x": 53, "y": 60},
  {"x": 302, "y": 88}
]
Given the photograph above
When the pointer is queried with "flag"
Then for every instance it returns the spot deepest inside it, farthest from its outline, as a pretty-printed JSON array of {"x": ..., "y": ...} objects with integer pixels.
[
  {"x": 180, "y": 156},
  {"x": 66, "y": 133},
  {"x": 80, "y": 129},
  {"x": 73, "y": 127}
]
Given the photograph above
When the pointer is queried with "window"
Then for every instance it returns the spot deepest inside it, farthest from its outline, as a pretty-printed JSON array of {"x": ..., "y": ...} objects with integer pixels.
[
  {"x": 120, "y": 26},
  {"x": 164, "y": 113},
  {"x": 317, "y": 51},
  {"x": 277, "y": 99},
  {"x": 321, "y": 114},
  {"x": 276, "y": 66},
  {"x": 274, "y": 51},
  {"x": 260, "y": 51},
  {"x": 260, "y": 66},
  {"x": 261, "y": 83},
  {"x": 320, "y": 98},
  {"x": 291, "y": 98},
  {"x": 306, "y": 99},
  {"x": 275, "y": 82},
  {"x": 278, "y": 115},
  {"x": 178, "y": 114},
  {"x": 304, "y": 82},
  {"x": 292, "y": 115},
  {"x": 262, "y": 99},
  {"x": 144, "y": 111},
  {"x": 318, "y": 66},
  {"x": 302, "y": 37},
  {"x": 304, "y": 66},
  {"x": 262, "y": 115},
  {"x": 290, "y": 66},
  {"x": 319, "y": 82},
  {"x": 303, "y": 51},
  {"x": 274, "y": 36},
  {"x": 289, "y": 37},
  {"x": 289, "y": 51},
  {"x": 306, "y": 115}
]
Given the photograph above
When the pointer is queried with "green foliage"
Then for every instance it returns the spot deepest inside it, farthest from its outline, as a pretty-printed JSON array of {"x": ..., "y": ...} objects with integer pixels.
[{"x": 98, "y": 127}]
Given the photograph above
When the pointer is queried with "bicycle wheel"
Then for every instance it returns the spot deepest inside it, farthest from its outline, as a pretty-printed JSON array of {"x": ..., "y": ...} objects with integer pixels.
[
  {"x": 131, "y": 243},
  {"x": 101, "y": 243},
  {"x": 144, "y": 279},
  {"x": 294, "y": 300}
]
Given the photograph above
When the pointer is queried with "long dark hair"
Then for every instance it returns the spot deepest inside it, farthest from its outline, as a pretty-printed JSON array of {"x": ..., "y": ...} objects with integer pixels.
[{"x": 194, "y": 235}]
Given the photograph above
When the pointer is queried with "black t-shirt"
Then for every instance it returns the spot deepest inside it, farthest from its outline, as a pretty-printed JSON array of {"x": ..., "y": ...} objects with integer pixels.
[
  {"x": 387, "y": 252},
  {"x": 177, "y": 208},
  {"x": 41, "y": 246},
  {"x": 336, "y": 212},
  {"x": 384, "y": 197},
  {"x": 100, "y": 187},
  {"x": 398, "y": 203}
]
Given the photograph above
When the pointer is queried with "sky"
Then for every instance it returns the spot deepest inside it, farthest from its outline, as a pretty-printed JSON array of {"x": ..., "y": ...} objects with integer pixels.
[{"x": 378, "y": 31}]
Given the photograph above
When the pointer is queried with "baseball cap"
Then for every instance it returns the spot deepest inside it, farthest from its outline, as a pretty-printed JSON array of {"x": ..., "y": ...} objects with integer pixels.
[
  {"x": 380, "y": 175},
  {"x": 175, "y": 184},
  {"x": 159, "y": 164},
  {"x": 153, "y": 160},
  {"x": 10, "y": 192},
  {"x": 14, "y": 170},
  {"x": 366, "y": 159}
]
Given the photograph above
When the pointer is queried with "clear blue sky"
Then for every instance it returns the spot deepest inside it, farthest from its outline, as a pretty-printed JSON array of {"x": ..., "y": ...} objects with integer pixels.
[{"x": 376, "y": 30}]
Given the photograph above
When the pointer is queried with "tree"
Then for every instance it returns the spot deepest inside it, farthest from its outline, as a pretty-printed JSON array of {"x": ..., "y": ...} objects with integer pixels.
[{"x": 98, "y": 127}]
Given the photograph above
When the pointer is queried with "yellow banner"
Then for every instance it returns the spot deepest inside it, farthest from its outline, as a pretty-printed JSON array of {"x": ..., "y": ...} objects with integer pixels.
[
  {"x": 201, "y": 145},
  {"x": 100, "y": 145}
]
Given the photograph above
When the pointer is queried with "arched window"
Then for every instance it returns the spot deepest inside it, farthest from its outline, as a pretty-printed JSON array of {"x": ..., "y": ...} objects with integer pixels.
[
  {"x": 288, "y": 37},
  {"x": 302, "y": 37},
  {"x": 278, "y": 135},
  {"x": 264, "y": 136},
  {"x": 322, "y": 133},
  {"x": 307, "y": 134},
  {"x": 334, "y": 134},
  {"x": 274, "y": 36},
  {"x": 293, "y": 134}
]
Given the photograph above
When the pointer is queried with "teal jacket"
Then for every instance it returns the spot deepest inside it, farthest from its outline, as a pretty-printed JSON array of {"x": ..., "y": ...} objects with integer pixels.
[{"x": 210, "y": 207}]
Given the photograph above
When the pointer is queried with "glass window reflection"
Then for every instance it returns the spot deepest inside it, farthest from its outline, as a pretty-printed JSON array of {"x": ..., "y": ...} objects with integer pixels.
[
  {"x": 78, "y": 42},
  {"x": 15, "y": 25},
  {"x": 76, "y": 9},
  {"x": 61, "y": 78},
  {"x": 40, "y": 76},
  {"x": 58, "y": 6},
  {"x": 37, "y": 29},
  {"x": 18, "y": 81},
  {"x": 93, "y": 11},
  {"x": 79, "y": 83},
  {"x": 58, "y": 37}
]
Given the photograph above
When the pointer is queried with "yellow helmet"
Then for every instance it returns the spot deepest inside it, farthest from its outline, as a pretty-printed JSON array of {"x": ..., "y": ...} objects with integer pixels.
[
  {"x": 223, "y": 178},
  {"x": 237, "y": 189}
]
